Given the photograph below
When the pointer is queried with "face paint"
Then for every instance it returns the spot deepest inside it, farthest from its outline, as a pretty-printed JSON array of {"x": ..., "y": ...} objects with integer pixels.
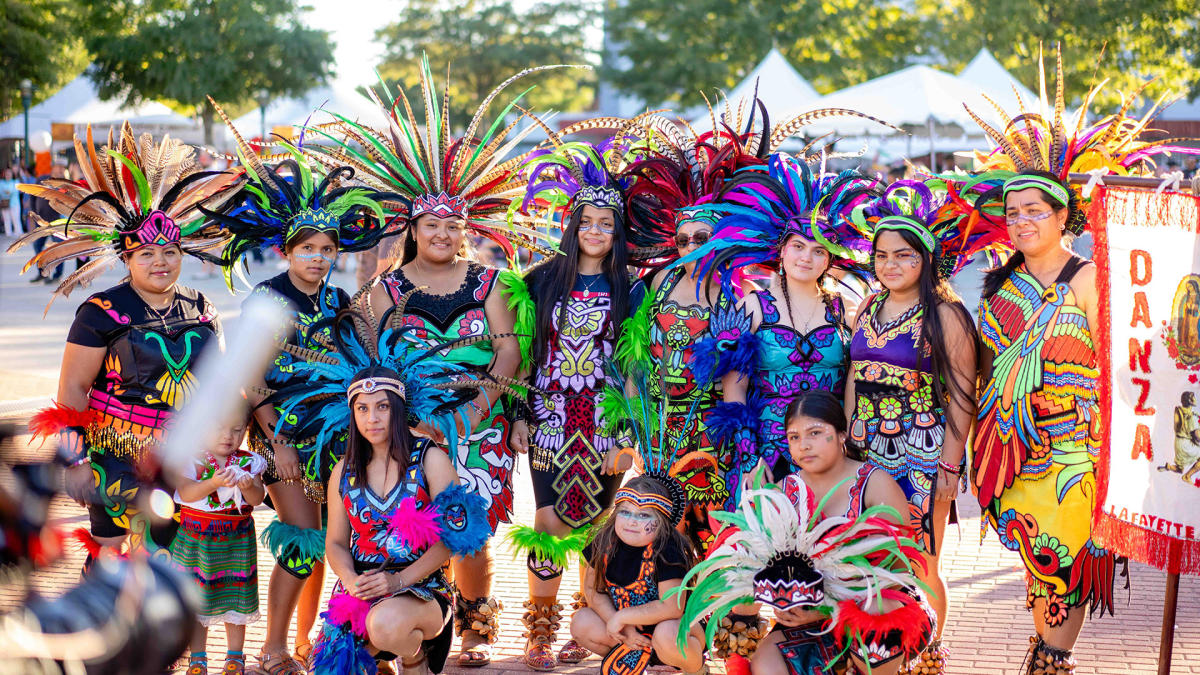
[{"x": 313, "y": 256}]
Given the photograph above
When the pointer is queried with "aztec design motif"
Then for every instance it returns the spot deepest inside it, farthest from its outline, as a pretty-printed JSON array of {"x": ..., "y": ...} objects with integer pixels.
[{"x": 1038, "y": 439}]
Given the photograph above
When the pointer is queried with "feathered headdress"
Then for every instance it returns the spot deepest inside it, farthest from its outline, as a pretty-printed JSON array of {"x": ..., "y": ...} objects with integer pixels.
[
  {"x": 947, "y": 223},
  {"x": 275, "y": 207},
  {"x": 642, "y": 420},
  {"x": 136, "y": 193},
  {"x": 434, "y": 389},
  {"x": 778, "y": 551},
  {"x": 471, "y": 177},
  {"x": 757, "y": 211},
  {"x": 576, "y": 173}
]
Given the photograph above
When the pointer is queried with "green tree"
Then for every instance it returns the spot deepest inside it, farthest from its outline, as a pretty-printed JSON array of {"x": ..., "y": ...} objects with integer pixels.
[
  {"x": 187, "y": 50},
  {"x": 484, "y": 43},
  {"x": 1140, "y": 39},
  {"x": 37, "y": 42},
  {"x": 665, "y": 56}
]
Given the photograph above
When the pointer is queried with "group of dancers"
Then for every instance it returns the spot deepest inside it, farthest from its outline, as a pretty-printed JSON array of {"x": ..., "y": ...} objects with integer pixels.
[{"x": 739, "y": 379}]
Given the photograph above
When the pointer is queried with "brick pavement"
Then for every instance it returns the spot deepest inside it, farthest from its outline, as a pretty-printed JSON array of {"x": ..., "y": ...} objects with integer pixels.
[{"x": 988, "y": 627}]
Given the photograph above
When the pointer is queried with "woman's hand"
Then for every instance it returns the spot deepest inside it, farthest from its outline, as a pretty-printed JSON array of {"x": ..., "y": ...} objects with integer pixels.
[
  {"x": 947, "y": 485},
  {"x": 518, "y": 439},
  {"x": 616, "y": 462},
  {"x": 374, "y": 584},
  {"x": 287, "y": 462},
  {"x": 79, "y": 483}
]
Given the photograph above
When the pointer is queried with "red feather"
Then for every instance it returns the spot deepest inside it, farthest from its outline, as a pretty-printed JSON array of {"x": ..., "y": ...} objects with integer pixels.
[
  {"x": 49, "y": 421},
  {"x": 910, "y": 618},
  {"x": 84, "y": 537}
]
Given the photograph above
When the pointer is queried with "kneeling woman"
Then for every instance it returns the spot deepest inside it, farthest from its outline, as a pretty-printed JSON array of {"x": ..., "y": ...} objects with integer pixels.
[{"x": 801, "y": 552}]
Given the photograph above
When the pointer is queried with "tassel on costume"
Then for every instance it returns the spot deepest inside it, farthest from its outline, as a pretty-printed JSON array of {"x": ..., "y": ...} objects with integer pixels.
[{"x": 465, "y": 528}]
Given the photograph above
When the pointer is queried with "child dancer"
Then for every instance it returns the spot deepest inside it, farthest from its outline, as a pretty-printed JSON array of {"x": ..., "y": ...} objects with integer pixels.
[{"x": 215, "y": 543}]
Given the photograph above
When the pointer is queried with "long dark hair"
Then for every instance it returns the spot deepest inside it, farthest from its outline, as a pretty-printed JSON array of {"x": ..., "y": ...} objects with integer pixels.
[
  {"x": 1076, "y": 220},
  {"x": 933, "y": 292},
  {"x": 824, "y": 406},
  {"x": 556, "y": 279},
  {"x": 604, "y": 542},
  {"x": 359, "y": 450}
]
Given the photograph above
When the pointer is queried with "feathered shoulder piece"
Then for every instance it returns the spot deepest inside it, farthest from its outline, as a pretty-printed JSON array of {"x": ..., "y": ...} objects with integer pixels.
[
  {"x": 1041, "y": 137},
  {"x": 779, "y": 551},
  {"x": 370, "y": 355},
  {"x": 474, "y": 176},
  {"x": 757, "y": 211},
  {"x": 278, "y": 202},
  {"x": 134, "y": 193}
]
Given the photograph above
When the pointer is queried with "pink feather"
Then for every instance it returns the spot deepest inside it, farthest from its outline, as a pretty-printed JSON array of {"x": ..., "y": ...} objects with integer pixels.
[
  {"x": 417, "y": 527},
  {"x": 345, "y": 608}
]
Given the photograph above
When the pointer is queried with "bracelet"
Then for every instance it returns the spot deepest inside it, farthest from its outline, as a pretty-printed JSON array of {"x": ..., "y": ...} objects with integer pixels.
[
  {"x": 79, "y": 462},
  {"x": 949, "y": 468}
]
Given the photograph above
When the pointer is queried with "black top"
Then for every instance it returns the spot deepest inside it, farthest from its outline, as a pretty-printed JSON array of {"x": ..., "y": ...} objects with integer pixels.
[
  {"x": 443, "y": 310},
  {"x": 626, "y": 562},
  {"x": 150, "y": 355}
]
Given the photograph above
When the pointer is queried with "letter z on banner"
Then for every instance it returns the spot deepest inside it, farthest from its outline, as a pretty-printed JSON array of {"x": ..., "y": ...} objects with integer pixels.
[{"x": 1148, "y": 252}]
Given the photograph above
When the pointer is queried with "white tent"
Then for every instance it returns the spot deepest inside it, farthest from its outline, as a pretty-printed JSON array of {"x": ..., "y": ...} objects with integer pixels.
[
  {"x": 78, "y": 103},
  {"x": 341, "y": 98},
  {"x": 985, "y": 72},
  {"x": 784, "y": 91}
]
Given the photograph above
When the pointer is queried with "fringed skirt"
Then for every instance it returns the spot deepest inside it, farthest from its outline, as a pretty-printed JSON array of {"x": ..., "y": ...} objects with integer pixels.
[{"x": 218, "y": 551}]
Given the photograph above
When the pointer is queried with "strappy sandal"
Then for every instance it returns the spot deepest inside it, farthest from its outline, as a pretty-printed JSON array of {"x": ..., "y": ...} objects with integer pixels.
[
  {"x": 234, "y": 665},
  {"x": 197, "y": 666},
  {"x": 303, "y": 653},
  {"x": 573, "y": 652},
  {"x": 280, "y": 663}
]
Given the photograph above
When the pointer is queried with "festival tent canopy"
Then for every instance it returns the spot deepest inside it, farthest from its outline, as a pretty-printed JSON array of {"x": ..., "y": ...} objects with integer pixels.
[
  {"x": 784, "y": 91},
  {"x": 343, "y": 99},
  {"x": 985, "y": 72}
]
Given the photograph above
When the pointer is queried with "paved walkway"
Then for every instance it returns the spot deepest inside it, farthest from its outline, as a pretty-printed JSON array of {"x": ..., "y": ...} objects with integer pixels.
[{"x": 988, "y": 628}]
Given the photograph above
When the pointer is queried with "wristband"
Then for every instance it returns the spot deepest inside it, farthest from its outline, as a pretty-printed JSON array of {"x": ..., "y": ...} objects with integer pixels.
[
  {"x": 949, "y": 468},
  {"x": 79, "y": 462}
]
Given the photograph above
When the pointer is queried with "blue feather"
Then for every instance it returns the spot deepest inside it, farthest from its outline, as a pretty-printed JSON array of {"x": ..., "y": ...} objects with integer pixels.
[
  {"x": 464, "y": 520},
  {"x": 340, "y": 652}
]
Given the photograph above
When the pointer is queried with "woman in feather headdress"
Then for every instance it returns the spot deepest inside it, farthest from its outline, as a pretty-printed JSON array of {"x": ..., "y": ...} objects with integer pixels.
[
  {"x": 456, "y": 186},
  {"x": 571, "y": 308},
  {"x": 312, "y": 218},
  {"x": 127, "y": 366},
  {"x": 398, "y": 510},
  {"x": 1039, "y": 425},
  {"x": 792, "y": 335}
]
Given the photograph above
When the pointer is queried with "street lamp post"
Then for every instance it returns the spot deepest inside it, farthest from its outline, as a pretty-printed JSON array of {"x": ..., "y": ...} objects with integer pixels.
[
  {"x": 26, "y": 99},
  {"x": 262, "y": 97}
]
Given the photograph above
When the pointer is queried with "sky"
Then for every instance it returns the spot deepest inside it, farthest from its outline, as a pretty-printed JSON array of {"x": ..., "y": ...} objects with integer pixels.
[{"x": 356, "y": 50}]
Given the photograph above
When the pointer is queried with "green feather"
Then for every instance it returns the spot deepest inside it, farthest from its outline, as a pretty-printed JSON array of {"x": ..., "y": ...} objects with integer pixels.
[
  {"x": 633, "y": 349},
  {"x": 306, "y": 178},
  {"x": 558, "y": 550},
  {"x": 278, "y": 536},
  {"x": 520, "y": 300},
  {"x": 139, "y": 179}
]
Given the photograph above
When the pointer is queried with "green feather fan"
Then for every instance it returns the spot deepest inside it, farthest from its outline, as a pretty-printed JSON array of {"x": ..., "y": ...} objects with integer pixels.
[
  {"x": 521, "y": 301},
  {"x": 559, "y": 550}
]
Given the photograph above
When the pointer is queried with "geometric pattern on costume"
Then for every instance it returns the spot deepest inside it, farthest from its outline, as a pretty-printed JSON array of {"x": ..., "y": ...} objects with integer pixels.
[
  {"x": 896, "y": 417},
  {"x": 791, "y": 363},
  {"x": 568, "y": 446},
  {"x": 674, "y": 331},
  {"x": 1041, "y": 507},
  {"x": 483, "y": 459}
]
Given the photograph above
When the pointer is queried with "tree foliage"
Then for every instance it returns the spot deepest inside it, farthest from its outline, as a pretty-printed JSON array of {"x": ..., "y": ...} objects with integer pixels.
[
  {"x": 38, "y": 42},
  {"x": 665, "y": 57},
  {"x": 484, "y": 43},
  {"x": 187, "y": 50},
  {"x": 1124, "y": 41}
]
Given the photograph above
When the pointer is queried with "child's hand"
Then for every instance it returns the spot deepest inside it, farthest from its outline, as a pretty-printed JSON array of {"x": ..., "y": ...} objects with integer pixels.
[
  {"x": 224, "y": 477},
  {"x": 614, "y": 627},
  {"x": 245, "y": 482},
  {"x": 634, "y": 639}
]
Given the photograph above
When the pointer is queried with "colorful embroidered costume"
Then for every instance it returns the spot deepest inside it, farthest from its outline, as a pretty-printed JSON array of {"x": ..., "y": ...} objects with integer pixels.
[
  {"x": 215, "y": 543},
  {"x": 791, "y": 363},
  {"x": 567, "y": 444},
  {"x": 1040, "y": 408},
  {"x": 483, "y": 459},
  {"x": 896, "y": 419},
  {"x": 307, "y": 310},
  {"x": 146, "y": 378}
]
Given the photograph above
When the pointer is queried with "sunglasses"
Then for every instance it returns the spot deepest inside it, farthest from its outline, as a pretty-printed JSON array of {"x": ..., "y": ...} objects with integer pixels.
[{"x": 699, "y": 238}]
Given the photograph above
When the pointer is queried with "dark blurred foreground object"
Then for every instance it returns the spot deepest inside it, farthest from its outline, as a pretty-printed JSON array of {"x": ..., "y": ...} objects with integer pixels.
[{"x": 128, "y": 615}]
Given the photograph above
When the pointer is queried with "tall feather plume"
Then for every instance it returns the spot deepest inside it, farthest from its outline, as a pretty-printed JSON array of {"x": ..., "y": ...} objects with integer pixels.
[{"x": 249, "y": 157}]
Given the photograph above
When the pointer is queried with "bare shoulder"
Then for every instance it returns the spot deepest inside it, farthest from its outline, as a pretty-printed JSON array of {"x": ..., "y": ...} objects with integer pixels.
[{"x": 882, "y": 489}]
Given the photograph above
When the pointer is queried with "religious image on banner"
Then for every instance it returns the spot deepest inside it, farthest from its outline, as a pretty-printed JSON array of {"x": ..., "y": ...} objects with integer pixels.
[{"x": 1148, "y": 253}]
